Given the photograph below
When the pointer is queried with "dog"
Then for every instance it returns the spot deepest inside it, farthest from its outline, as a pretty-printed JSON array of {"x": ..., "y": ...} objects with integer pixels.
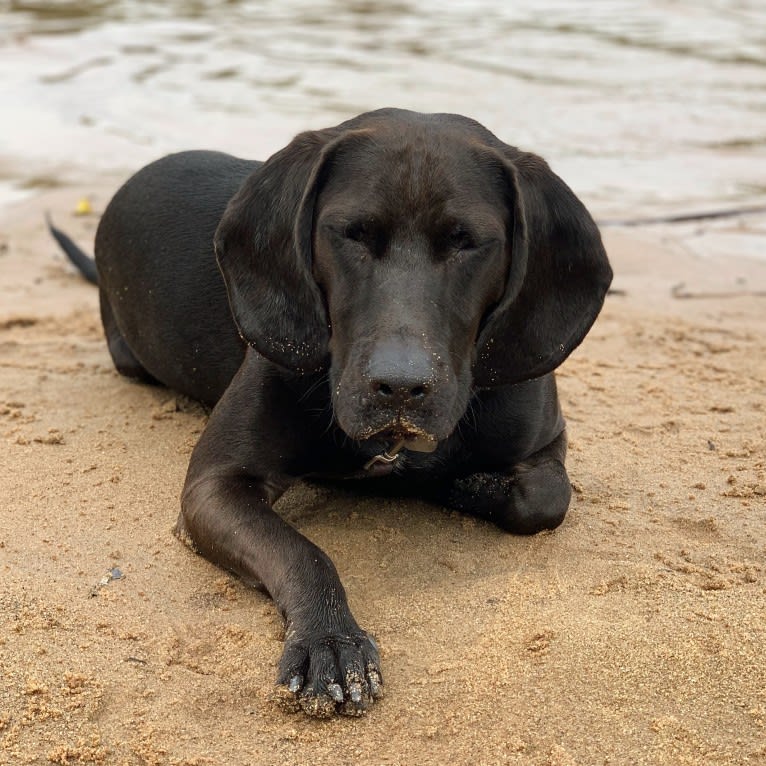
[{"x": 384, "y": 300}]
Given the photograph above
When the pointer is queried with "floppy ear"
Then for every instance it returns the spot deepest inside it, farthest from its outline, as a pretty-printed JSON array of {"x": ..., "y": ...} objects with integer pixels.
[
  {"x": 558, "y": 277},
  {"x": 263, "y": 247}
]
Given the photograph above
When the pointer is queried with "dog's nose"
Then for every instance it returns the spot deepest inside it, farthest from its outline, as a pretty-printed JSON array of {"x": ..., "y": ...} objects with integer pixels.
[
  {"x": 399, "y": 391},
  {"x": 400, "y": 375}
]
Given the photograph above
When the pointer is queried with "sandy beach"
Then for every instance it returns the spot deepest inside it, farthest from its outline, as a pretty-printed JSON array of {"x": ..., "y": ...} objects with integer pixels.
[{"x": 634, "y": 634}]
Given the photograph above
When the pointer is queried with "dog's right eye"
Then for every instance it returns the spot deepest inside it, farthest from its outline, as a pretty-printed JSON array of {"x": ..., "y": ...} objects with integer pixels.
[
  {"x": 363, "y": 235},
  {"x": 358, "y": 231}
]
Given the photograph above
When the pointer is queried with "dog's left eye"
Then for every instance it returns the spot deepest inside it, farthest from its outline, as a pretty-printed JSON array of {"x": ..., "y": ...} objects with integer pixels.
[{"x": 460, "y": 239}]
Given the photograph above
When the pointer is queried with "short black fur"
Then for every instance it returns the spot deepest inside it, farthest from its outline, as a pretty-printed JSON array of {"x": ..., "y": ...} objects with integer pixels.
[{"x": 432, "y": 327}]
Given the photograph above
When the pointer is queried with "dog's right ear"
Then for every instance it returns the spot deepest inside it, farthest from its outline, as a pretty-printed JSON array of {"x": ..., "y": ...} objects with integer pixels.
[{"x": 264, "y": 249}]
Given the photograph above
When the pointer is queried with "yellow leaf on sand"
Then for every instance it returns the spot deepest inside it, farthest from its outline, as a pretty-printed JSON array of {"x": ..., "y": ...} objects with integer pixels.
[{"x": 83, "y": 207}]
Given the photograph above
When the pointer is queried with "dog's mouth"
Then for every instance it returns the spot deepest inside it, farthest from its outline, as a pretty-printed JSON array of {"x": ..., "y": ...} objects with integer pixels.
[
  {"x": 401, "y": 436},
  {"x": 405, "y": 435}
]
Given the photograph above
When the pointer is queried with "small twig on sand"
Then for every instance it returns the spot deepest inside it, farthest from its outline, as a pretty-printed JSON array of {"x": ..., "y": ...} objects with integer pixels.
[
  {"x": 685, "y": 217},
  {"x": 680, "y": 291}
]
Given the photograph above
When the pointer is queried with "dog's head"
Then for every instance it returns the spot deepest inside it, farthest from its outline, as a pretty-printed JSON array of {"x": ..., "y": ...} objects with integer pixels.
[{"x": 415, "y": 257}]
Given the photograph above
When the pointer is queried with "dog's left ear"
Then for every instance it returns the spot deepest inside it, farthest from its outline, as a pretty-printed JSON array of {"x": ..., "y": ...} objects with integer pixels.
[{"x": 558, "y": 277}]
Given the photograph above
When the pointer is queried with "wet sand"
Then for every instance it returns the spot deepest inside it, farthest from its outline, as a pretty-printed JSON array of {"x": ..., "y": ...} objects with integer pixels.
[{"x": 634, "y": 634}]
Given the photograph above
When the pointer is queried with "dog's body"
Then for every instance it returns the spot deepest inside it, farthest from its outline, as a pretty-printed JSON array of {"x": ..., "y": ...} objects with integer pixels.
[{"x": 402, "y": 287}]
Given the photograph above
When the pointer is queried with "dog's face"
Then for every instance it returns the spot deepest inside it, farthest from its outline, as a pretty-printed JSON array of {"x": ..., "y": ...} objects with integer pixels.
[
  {"x": 410, "y": 252},
  {"x": 413, "y": 257}
]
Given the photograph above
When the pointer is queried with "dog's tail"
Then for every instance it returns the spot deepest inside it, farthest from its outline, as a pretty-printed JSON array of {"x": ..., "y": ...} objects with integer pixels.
[{"x": 84, "y": 263}]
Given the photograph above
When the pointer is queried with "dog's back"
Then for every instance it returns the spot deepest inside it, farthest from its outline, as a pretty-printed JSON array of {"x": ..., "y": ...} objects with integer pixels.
[{"x": 155, "y": 240}]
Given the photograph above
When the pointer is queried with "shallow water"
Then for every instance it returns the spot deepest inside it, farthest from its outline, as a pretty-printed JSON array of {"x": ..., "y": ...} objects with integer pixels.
[{"x": 643, "y": 107}]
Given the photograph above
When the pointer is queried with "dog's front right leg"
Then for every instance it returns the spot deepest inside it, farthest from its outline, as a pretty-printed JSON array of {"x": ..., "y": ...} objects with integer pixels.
[{"x": 240, "y": 466}]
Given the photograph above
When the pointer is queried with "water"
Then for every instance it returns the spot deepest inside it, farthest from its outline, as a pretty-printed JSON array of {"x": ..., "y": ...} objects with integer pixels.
[{"x": 643, "y": 107}]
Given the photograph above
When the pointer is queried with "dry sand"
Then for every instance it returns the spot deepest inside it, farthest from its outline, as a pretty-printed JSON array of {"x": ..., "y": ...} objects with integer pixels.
[{"x": 634, "y": 634}]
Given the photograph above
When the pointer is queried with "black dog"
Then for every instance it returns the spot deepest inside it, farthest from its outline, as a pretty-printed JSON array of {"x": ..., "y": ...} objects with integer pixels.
[{"x": 402, "y": 286}]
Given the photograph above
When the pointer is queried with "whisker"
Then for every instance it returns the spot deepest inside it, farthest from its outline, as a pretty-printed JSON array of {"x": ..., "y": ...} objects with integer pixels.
[{"x": 321, "y": 380}]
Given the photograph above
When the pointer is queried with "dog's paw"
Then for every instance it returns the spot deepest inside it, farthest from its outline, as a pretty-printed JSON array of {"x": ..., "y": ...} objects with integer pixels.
[
  {"x": 533, "y": 498},
  {"x": 329, "y": 674}
]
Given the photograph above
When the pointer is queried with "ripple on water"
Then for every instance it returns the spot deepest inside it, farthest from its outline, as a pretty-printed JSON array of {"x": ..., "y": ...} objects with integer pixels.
[{"x": 640, "y": 106}]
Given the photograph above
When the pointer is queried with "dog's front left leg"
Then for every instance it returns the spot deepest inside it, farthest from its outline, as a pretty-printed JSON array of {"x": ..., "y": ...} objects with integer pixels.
[
  {"x": 527, "y": 498},
  {"x": 239, "y": 468}
]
